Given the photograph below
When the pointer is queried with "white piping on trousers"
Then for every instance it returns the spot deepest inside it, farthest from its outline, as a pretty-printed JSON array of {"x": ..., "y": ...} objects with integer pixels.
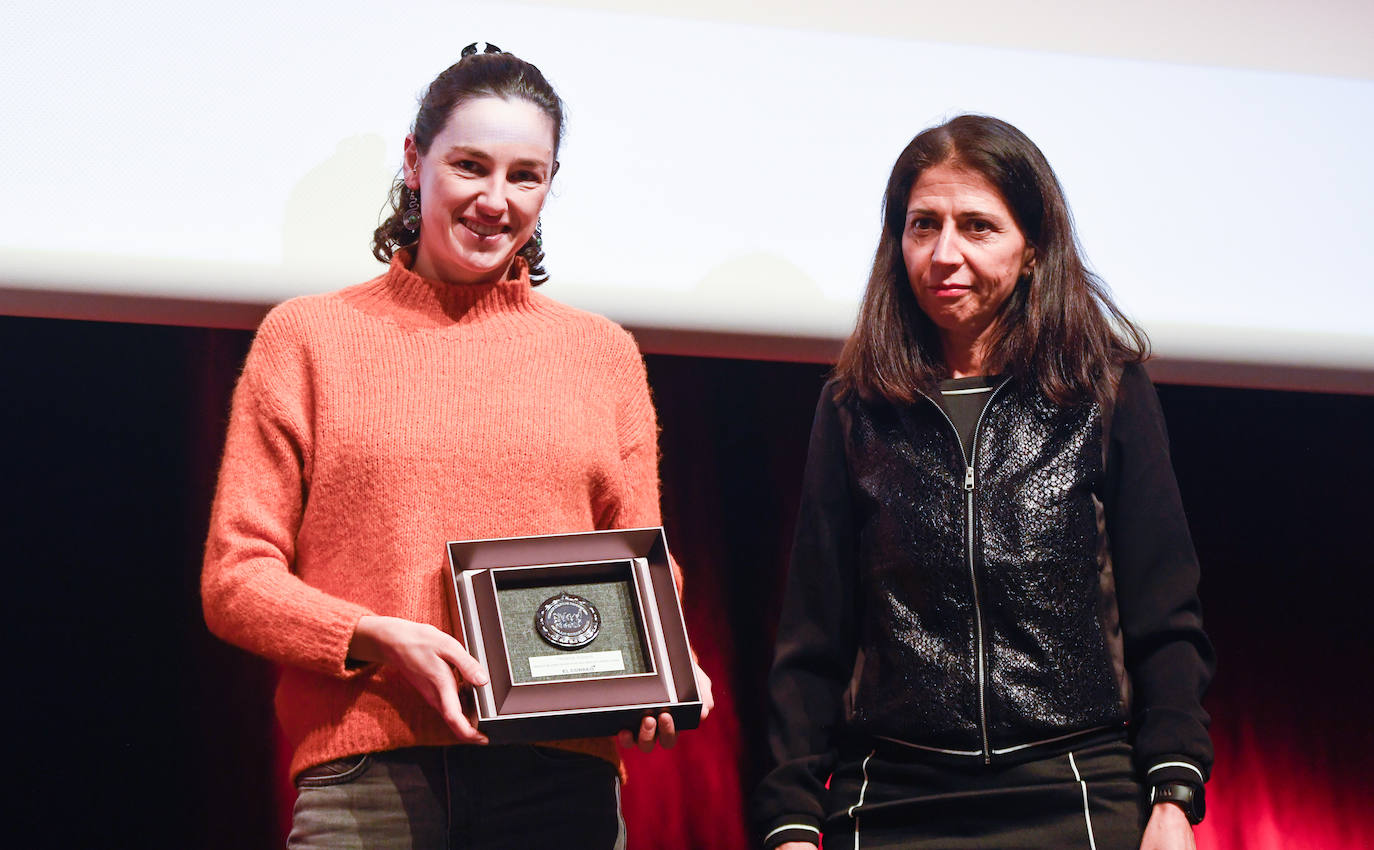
[
  {"x": 1087, "y": 816},
  {"x": 863, "y": 789}
]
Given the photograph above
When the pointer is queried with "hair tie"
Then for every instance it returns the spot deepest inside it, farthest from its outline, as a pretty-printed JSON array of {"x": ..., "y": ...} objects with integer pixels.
[{"x": 472, "y": 48}]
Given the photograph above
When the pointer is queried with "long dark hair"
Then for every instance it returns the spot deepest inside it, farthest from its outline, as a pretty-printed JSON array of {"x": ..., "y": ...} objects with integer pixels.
[
  {"x": 490, "y": 74},
  {"x": 1059, "y": 330}
]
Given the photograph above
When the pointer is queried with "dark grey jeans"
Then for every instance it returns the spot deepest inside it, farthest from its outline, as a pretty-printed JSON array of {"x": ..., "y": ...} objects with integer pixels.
[{"x": 459, "y": 798}]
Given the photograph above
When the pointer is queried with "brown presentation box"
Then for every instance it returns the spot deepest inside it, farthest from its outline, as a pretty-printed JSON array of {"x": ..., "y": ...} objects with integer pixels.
[{"x": 639, "y": 662}]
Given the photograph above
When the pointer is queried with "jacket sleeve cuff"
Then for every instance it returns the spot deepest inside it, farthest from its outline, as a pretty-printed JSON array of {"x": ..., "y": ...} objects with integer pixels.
[
  {"x": 792, "y": 828},
  {"x": 1174, "y": 769},
  {"x": 797, "y": 828}
]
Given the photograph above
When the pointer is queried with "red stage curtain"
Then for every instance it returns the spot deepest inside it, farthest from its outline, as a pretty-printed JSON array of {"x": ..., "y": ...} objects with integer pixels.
[{"x": 113, "y": 434}]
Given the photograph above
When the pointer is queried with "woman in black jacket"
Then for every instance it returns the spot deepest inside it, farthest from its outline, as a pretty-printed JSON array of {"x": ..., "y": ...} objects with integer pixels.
[{"x": 991, "y": 635}]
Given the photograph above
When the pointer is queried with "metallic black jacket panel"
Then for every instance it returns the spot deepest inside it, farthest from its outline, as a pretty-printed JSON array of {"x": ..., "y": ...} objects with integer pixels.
[{"x": 982, "y": 641}]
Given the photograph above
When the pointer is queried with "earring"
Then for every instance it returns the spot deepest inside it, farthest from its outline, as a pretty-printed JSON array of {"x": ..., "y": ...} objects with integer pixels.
[{"x": 411, "y": 219}]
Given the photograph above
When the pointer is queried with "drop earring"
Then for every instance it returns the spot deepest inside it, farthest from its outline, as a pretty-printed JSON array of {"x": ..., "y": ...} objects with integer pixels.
[{"x": 411, "y": 219}]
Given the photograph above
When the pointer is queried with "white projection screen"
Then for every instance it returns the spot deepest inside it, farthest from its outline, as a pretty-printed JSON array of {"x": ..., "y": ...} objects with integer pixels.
[{"x": 723, "y": 168}]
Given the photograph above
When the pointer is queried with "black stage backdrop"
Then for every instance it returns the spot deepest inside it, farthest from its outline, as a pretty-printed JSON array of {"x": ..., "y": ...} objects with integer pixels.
[{"x": 133, "y": 727}]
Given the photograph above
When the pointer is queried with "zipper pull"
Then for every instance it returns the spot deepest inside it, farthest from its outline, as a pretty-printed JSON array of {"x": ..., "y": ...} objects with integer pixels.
[{"x": 968, "y": 478}]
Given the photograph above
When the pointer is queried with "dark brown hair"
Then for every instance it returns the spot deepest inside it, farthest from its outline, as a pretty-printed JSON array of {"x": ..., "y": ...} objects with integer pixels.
[
  {"x": 1058, "y": 331},
  {"x": 491, "y": 74}
]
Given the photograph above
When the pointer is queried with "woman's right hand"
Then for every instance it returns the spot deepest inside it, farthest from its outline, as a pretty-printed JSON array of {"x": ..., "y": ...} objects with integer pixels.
[{"x": 433, "y": 661}]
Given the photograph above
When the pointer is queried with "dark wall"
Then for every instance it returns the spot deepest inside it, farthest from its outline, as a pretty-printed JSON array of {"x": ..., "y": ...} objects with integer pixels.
[{"x": 134, "y": 727}]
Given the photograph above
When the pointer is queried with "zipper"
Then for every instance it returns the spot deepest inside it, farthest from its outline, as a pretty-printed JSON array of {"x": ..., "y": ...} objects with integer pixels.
[{"x": 969, "y": 489}]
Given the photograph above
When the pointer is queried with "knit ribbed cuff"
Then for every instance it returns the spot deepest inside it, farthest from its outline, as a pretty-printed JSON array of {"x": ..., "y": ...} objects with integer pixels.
[
  {"x": 1174, "y": 769},
  {"x": 793, "y": 828}
]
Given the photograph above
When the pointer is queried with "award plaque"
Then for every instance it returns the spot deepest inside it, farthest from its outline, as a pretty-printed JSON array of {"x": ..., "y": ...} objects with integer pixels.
[{"x": 581, "y": 634}]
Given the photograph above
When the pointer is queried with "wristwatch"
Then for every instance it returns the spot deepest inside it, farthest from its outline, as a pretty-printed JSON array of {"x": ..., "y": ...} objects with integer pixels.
[{"x": 1191, "y": 798}]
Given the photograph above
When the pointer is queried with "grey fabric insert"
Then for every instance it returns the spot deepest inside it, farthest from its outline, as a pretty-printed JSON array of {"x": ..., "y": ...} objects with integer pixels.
[{"x": 620, "y": 628}]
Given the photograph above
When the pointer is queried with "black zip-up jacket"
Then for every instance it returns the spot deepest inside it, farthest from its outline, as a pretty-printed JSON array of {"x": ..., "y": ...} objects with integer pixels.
[{"x": 987, "y": 610}]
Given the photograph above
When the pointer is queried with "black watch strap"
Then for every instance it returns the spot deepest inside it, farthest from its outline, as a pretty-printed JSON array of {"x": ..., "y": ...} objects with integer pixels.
[{"x": 1191, "y": 798}]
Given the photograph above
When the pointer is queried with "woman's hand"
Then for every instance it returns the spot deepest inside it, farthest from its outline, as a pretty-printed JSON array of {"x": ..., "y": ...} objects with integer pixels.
[
  {"x": 708, "y": 701},
  {"x": 651, "y": 728},
  {"x": 1168, "y": 829},
  {"x": 795, "y": 845},
  {"x": 661, "y": 728},
  {"x": 433, "y": 661}
]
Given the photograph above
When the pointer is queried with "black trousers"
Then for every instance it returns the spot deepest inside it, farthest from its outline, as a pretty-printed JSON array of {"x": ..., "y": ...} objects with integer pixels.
[{"x": 1086, "y": 798}]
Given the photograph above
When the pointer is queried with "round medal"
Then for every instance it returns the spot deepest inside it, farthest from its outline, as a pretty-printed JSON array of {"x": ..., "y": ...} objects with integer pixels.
[{"x": 567, "y": 621}]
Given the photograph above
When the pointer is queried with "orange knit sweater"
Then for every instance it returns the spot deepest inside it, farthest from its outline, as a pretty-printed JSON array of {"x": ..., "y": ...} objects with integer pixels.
[{"x": 374, "y": 424}]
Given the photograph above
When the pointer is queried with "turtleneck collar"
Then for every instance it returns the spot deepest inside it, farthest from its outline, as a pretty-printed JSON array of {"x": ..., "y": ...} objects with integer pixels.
[{"x": 413, "y": 301}]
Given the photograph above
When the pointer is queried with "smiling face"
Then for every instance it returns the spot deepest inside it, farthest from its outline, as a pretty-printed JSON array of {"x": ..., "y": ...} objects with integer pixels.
[
  {"x": 963, "y": 253},
  {"x": 482, "y": 184}
]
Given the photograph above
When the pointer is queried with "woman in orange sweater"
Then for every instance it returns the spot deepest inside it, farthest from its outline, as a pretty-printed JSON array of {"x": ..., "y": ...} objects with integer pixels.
[{"x": 443, "y": 399}]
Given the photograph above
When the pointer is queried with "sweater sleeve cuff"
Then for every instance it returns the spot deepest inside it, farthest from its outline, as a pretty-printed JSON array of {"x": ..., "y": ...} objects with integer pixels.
[
  {"x": 349, "y": 667},
  {"x": 1174, "y": 769},
  {"x": 803, "y": 828}
]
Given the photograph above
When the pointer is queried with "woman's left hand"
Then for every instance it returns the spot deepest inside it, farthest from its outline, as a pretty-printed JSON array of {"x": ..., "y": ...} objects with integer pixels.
[
  {"x": 1168, "y": 829},
  {"x": 661, "y": 728}
]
